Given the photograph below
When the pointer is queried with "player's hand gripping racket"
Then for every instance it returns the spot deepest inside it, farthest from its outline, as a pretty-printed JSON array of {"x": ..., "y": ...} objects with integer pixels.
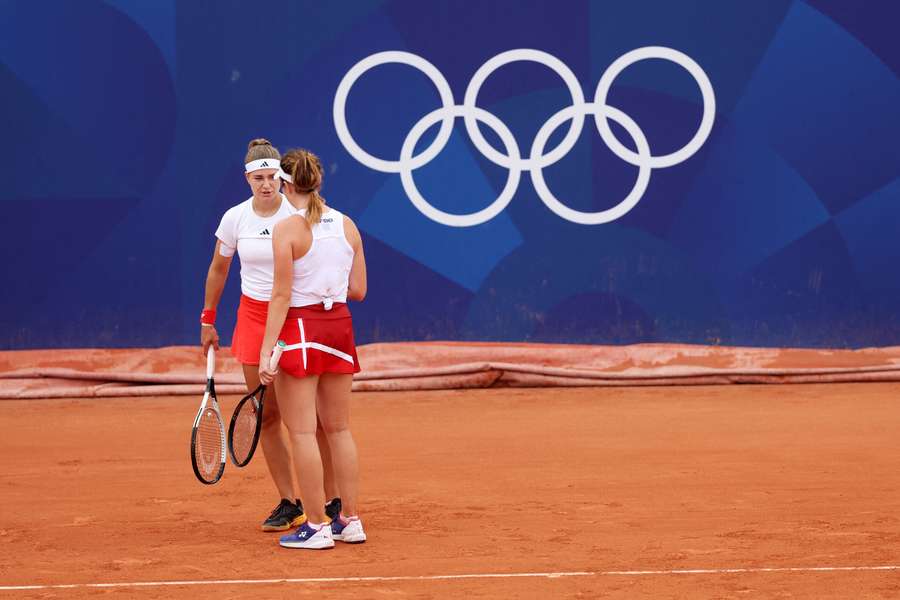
[
  {"x": 246, "y": 422},
  {"x": 208, "y": 435}
]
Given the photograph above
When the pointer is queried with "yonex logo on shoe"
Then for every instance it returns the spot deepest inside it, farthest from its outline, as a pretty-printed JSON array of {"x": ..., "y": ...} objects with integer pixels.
[{"x": 302, "y": 534}]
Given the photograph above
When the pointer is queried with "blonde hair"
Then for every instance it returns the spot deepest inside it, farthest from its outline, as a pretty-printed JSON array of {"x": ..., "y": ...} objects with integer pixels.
[
  {"x": 261, "y": 148},
  {"x": 305, "y": 169}
]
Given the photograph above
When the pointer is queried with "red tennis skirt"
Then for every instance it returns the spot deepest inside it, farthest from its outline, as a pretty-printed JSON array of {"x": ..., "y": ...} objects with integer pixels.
[
  {"x": 318, "y": 341},
  {"x": 249, "y": 330}
]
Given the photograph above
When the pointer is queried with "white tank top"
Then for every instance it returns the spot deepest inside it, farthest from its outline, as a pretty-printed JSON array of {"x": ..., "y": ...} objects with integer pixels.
[
  {"x": 323, "y": 274},
  {"x": 250, "y": 235}
]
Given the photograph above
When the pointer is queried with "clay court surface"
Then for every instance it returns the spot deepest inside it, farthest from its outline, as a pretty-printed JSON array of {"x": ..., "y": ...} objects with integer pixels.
[{"x": 501, "y": 486}]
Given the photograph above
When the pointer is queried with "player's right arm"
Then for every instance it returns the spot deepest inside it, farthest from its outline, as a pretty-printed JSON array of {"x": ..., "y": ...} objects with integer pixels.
[
  {"x": 291, "y": 239},
  {"x": 215, "y": 283},
  {"x": 357, "y": 284}
]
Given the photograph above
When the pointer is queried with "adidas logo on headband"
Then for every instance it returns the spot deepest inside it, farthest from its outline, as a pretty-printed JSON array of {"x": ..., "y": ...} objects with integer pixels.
[{"x": 262, "y": 163}]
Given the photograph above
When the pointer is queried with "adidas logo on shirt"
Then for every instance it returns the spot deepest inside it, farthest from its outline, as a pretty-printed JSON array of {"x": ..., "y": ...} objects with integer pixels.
[{"x": 265, "y": 232}]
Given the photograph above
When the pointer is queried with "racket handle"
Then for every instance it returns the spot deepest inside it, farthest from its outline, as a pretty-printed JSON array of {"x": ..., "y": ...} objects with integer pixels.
[
  {"x": 276, "y": 355},
  {"x": 210, "y": 362}
]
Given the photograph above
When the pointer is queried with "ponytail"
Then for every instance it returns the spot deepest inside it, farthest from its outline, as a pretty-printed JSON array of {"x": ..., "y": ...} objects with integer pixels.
[
  {"x": 306, "y": 172},
  {"x": 315, "y": 208}
]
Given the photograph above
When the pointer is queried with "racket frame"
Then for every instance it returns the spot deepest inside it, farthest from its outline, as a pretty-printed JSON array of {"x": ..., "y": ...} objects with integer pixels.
[
  {"x": 209, "y": 401},
  {"x": 260, "y": 393}
]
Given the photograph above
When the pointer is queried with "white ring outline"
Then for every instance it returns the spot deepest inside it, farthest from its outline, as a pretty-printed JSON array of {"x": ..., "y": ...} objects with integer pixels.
[
  {"x": 471, "y": 98},
  {"x": 640, "y": 185},
  {"x": 644, "y": 160},
  {"x": 340, "y": 113},
  {"x": 706, "y": 90},
  {"x": 435, "y": 214}
]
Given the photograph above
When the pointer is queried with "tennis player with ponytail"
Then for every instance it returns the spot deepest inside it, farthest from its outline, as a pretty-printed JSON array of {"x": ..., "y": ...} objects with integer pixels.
[
  {"x": 319, "y": 265},
  {"x": 246, "y": 229}
]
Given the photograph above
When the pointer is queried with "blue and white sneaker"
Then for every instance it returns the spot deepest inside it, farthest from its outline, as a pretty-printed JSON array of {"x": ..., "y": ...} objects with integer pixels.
[
  {"x": 309, "y": 538},
  {"x": 349, "y": 531}
]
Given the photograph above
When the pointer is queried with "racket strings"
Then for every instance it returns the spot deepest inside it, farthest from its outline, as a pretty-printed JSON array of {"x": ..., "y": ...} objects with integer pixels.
[
  {"x": 245, "y": 424},
  {"x": 210, "y": 442}
]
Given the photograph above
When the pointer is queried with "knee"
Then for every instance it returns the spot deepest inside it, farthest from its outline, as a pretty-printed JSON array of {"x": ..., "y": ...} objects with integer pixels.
[
  {"x": 300, "y": 427},
  {"x": 333, "y": 427},
  {"x": 302, "y": 435}
]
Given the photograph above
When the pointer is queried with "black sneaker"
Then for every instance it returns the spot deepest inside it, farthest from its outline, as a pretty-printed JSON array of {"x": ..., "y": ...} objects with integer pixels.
[
  {"x": 333, "y": 509},
  {"x": 285, "y": 516}
]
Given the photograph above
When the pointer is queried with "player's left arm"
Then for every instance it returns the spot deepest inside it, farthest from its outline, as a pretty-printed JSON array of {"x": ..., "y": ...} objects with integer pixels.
[
  {"x": 282, "y": 248},
  {"x": 215, "y": 283},
  {"x": 356, "y": 290}
]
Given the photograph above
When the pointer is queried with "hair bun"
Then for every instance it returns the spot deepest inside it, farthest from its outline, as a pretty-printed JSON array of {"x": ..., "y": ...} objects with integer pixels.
[{"x": 258, "y": 142}]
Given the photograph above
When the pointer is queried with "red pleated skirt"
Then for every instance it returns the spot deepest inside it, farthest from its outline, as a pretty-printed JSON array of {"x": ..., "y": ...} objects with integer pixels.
[
  {"x": 318, "y": 341},
  {"x": 249, "y": 330}
]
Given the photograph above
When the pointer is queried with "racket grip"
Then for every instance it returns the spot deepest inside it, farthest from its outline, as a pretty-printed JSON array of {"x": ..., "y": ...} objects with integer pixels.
[
  {"x": 210, "y": 362},
  {"x": 276, "y": 355}
]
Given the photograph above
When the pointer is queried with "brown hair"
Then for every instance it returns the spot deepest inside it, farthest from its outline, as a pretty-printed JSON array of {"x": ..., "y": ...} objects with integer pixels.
[
  {"x": 261, "y": 148},
  {"x": 306, "y": 171}
]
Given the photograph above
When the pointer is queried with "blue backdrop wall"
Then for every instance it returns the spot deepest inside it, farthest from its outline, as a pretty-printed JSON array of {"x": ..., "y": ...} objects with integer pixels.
[{"x": 125, "y": 122}]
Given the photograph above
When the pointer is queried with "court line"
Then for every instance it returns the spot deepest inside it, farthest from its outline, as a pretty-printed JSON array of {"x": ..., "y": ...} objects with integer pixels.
[{"x": 375, "y": 579}]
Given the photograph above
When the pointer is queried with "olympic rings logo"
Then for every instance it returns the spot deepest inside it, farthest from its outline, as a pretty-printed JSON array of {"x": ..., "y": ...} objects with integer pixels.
[{"x": 538, "y": 159}]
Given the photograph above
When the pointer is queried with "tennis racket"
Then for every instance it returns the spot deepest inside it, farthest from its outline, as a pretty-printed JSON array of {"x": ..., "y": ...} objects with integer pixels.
[
  {"x": 246, "y": 422},
  {"x": 208, "y": 434}
]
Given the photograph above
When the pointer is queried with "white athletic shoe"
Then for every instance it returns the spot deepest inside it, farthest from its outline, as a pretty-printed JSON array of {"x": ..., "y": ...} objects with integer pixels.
[
  {"x": 350, "y": 532},
  {"x": 309, "y": 538}
]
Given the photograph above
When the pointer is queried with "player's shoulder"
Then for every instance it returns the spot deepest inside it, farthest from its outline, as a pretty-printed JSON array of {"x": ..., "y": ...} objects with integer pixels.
[
  {"x": 348, "y": 222},
  {"x": 351, "y": 233},
  {"x": 292, "y": 224}
]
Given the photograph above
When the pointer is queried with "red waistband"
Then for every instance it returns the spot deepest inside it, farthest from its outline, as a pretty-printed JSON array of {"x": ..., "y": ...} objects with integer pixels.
[
  {"x": 339, "y": 310},
  {"x": 253, "y": 302}
]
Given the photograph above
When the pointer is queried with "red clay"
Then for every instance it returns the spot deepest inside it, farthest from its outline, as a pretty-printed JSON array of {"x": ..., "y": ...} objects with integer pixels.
[{"x": 478, "y": 481}]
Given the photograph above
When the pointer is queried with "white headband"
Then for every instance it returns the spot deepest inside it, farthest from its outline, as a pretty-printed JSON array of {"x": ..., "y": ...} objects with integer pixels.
[
  {"x": 284, "y": 176},
  {"x": 262, "y": 163}
]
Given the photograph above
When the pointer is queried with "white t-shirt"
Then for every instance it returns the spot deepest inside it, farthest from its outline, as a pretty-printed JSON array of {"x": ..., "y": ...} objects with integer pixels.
[{"x": 243, "y": 230}]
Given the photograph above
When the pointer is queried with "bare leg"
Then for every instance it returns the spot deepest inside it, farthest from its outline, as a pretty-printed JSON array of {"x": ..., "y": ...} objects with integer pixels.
[
  {"x": 331, "y": 487},
  {"x": 278, "y": 458},
  {"x": 334, "y": 413},
  {"x": 298, "y": 410}
]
